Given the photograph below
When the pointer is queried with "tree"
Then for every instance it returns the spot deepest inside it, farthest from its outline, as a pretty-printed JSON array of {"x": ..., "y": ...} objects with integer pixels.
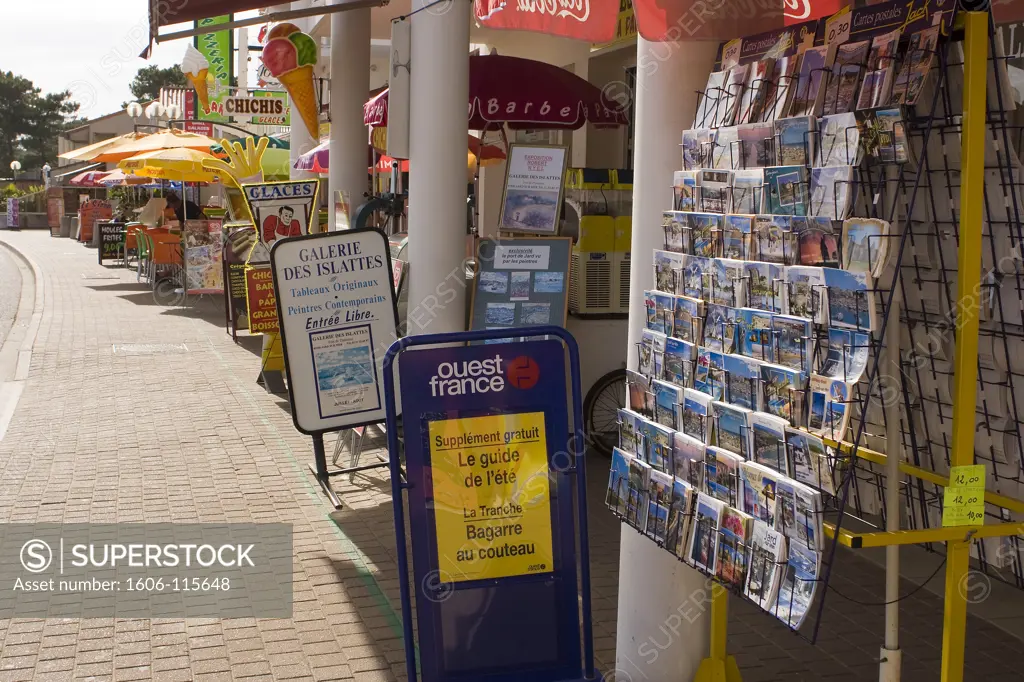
[
  {"x": 148, "y": 81},
  {"x": 30, "y": 121}
]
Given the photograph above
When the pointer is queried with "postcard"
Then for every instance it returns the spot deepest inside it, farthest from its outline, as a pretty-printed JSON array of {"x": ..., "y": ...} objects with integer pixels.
[
  {"x": 743, "y": 381},
  {"x": 850, "y": 301},
  {"x": 795, "y": 140},
  {"x": 618, "y": 482},
  {"x": 679, "y": 517},
  {"x": 764, "y": 286},
  {"x": 730, "y": 429},
  {"x": 816, "y": 241},
  {"x": 703, "y": 551},
  {"x": 668, "y": 269},
  {"x": 787, "y": 190},
  {"x": 736, "y": 231},
  {"x": 847, "y": 356},
  {"x": 798, "y": 586},
  {"x": 688, "y": 319},
  {"x": 840, "y": 141},
  {"x": 676, "y": 226},
  {"x": 757, "y": 491},
  {"x": 769, "y": 441},
  {"x": 629, "y": 434},
  {"x": 720, "y": 328},
  {"x": 688, "y": 455},
  {"x": 696, "y": 407},
  {"x": 794, "y": 338},
  {"x": 805, "y": 292},
  {"x": 784, "y": 392},
  {"x": 732, "y": 547},
  {"x": 767, "y": 561},
  {"x": 684, "y": 190}
]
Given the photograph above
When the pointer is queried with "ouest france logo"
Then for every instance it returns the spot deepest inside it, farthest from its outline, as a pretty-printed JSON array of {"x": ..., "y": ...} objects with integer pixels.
[{"x": 473, "y": 377}]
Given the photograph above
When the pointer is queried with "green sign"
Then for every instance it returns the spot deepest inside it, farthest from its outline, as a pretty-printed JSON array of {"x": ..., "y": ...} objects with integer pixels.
[{"x": 217, "y": 48}]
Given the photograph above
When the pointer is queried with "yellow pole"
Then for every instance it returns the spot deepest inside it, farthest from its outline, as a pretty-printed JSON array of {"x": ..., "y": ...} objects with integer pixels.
[
  {"x": 719, "y": 666},
  {"x": 972, "y": 189}
]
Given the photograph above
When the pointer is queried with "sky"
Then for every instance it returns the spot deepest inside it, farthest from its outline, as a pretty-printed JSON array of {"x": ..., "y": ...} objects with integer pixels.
[{"x": 89, "y": 48}]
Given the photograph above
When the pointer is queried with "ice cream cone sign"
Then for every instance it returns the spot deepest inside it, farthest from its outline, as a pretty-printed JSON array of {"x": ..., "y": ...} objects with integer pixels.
[
  {"x": 290, "y": 56},
  {"x": 197, "y": 69}
]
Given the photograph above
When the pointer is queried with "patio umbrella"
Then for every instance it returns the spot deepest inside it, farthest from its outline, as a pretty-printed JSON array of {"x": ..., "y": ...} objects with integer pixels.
[
  {"x": 182, "y": 164},
  {"x": 165, "y": 139},
  {"x": 119, "y": 179},
  {"x": 94, "y": 150},
  {"x": 88, "y": 179},
  {"x": 317, "y": 160},
  {"x": 524, "y": 94}
]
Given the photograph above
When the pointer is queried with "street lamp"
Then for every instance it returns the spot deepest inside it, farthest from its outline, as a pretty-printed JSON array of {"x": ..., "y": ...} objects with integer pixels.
[
  {"x": 15, "y": 167},
  {"x": 46, "y": 175},
  {"x": 154, "y": 111},
  {"x": 173, "y": 112},
  {"x": 133, "y": 109}
]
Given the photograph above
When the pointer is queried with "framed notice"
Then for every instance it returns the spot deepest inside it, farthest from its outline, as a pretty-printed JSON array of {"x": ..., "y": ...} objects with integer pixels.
[
  {"x": 337, "y": 314},
  {"x": 534, "y": 182},
  {"x": 521, "y": 282}
]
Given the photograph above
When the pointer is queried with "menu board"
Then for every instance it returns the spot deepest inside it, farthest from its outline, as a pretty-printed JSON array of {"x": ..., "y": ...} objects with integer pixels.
[
  {"x": 521, "y": 282},
  {"x": 91, "y": 211},
  {"x": 112, "y": 241},
  {"x": 238, "y": 241},
  {"x": 262, "y": 304},
  {"x": 54, "y": 209},
  {"x": 203, "y": 245}
]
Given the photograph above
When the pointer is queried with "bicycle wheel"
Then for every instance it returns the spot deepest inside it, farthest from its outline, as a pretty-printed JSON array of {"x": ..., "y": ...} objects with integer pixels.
[{"x": 601, "y": 411}]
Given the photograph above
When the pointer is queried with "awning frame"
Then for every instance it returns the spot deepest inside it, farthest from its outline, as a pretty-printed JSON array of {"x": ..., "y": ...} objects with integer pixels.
[{"x": 156, "y": 36}]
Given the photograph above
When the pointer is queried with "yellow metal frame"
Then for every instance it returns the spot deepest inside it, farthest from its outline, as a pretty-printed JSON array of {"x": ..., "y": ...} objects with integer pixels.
[{"x": 719, "y": 666}]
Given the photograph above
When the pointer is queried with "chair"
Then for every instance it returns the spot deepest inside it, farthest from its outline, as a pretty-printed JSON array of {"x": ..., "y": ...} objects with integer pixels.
[
  {"x": 166, "y": 256},
  {"x": 143, "y": 263},
  {"x": 131, "y": 246}
]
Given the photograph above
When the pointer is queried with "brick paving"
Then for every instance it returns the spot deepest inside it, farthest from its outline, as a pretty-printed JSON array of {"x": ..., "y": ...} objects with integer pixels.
[
  {"x": 187, "y": 436},
  {"x": 10, "y": 293}
]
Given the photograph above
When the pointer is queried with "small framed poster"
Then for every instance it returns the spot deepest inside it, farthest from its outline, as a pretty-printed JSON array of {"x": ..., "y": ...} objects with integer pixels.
[
  {"x": 521, "y": 282},
  {"x": 534, "y": 183}
]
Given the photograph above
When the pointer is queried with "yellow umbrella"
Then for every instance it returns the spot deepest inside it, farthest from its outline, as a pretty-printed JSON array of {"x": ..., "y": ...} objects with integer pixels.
[
  {"x": 165, "y": 139},
  {"x": 182, "y": 164},
  {"x": 94, "y": 151}
]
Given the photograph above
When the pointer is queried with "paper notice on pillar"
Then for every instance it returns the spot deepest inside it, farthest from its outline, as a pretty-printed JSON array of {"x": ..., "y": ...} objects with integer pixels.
[
  {"x": 336, "y": 307},
  {"x": 282, "y": 209},
  {"x": 533, "y": 189}
]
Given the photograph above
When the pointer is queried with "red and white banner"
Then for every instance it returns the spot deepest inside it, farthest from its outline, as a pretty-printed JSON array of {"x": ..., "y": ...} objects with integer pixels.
[
  {"x": 659, "y": 20},
  {"x": 590, "y": 20}
]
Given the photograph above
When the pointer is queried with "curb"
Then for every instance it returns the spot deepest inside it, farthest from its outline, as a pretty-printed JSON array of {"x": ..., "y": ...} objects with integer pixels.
[{"x": 17, "y": 348}]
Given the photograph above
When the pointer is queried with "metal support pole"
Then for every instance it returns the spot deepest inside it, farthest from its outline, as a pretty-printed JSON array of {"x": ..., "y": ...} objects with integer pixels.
[
  {"x": 320, "y": 469},
  {"x": 972, "y": 194},
  {"x": 890, "y": 661}
]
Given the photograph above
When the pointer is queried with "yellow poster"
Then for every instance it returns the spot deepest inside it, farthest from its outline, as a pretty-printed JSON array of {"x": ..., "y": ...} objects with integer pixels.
[{"x": 492, "y": 506}]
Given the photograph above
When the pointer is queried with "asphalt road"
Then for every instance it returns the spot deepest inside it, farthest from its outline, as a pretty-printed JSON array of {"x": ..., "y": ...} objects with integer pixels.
[{"x": 10, "y": 292}]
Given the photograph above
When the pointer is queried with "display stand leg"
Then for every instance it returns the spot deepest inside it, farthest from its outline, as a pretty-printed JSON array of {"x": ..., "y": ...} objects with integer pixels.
[
  {"x": 272, "y": 365},
  {"x": 719, "y": 666},
  {"x": 319, "y": 469},
  {"x": 965, "y": 361}
]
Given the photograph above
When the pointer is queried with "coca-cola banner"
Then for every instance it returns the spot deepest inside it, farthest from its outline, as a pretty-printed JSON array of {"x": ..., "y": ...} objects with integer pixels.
[{"x": 658, "y": 20}]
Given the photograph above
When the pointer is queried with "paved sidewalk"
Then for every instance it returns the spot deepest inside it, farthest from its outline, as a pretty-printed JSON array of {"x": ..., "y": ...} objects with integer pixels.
[
  {"x": 182, "y": 433},
  {"x": 10, "y": 293}
]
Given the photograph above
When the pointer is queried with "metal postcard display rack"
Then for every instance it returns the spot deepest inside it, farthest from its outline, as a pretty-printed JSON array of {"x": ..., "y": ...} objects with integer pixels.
[{"x": 940, "y": 352}]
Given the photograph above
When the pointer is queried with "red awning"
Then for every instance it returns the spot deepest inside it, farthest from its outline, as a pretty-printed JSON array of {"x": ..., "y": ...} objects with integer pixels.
[
  {"x": 596, "y": 20},
  {"x": 524, "y": 94}
]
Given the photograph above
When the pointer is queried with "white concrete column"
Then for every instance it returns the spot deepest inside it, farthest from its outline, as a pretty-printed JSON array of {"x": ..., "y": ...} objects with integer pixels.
[
  {"x": 301, "y": 141},
  {"x": 439, "y": 91},
  {"x": 350, "y": 85},
  {"x": 664, "y": 606}
]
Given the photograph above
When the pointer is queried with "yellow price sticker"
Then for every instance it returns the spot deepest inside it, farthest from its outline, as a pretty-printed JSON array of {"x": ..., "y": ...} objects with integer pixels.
[
  {"x": 837, "y": 27},
  {"x": 492, "y": 501},
  {"x": 963, "y": 502}
]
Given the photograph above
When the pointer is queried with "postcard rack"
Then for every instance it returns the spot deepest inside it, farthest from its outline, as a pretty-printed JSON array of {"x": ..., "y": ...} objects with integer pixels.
[{"x": 941, "y": 353}]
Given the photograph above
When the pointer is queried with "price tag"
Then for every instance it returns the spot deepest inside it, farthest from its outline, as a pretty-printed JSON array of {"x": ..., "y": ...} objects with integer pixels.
[
  {"x": 964, "y": 501},
  {"x": 731, "y": 53},
  {"x": 837, "y": 27}
]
